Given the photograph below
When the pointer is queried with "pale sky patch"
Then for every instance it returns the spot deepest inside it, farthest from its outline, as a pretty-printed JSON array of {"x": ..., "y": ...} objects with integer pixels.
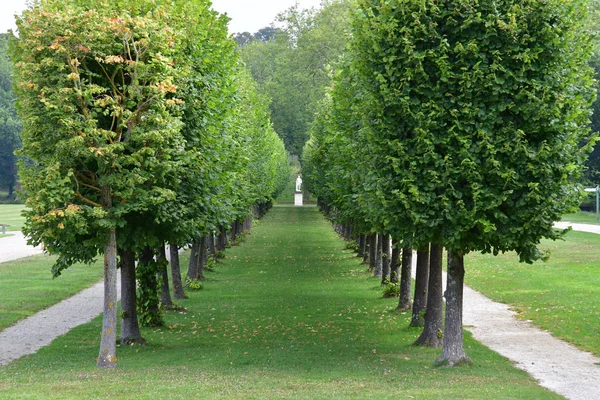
[{"x": 246, "y": 15}]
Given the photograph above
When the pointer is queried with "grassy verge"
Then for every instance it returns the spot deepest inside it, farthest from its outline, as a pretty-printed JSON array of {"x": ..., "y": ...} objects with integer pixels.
[
  {"x": 26, "y": 286},
  {"x": 10, "y": 214},
  {"x": 582, "y": 217},
  {"x": 560, "y": 295},
  {"x": 288, "y": 314}
]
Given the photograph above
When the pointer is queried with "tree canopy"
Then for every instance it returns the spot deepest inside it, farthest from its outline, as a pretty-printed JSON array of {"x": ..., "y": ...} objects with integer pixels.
[
  {"x": 468, "y": 118},
  {"x": 142, "y": 128},
  {"x": 10, "y": 123},
  {"x": 292, "y": 64}
]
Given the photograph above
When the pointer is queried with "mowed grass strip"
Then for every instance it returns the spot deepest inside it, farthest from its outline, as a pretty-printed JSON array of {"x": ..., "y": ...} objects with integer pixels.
[
  {"x": 27, "y": 286},
  {"x": 560, "y": 295},
  {"x": 289, "y": 314},
  {"x": 582, "y": 217},
  {"x": 10, "y": 214}
]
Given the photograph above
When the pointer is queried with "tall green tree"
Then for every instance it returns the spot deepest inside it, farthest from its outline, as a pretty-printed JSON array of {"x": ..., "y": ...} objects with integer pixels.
[
  {"x": 293, "y": 67},
  {"x": 10, "y": 123},
  {"x": 480, "y": 111},
  {"x": 156, "y": 135},
  {"x": 471, "y": 116},
  {"x": 95, "y": 94}
]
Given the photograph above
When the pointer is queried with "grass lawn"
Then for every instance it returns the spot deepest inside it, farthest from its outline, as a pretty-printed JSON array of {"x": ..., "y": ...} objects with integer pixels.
[
  {"x": 26, "y": 286},
  {"x": 289, "y": 314},
  {"x": 560, "y": 295},
  {"x": 582, "y": 217},
  {"x": 10, "y": 214}
]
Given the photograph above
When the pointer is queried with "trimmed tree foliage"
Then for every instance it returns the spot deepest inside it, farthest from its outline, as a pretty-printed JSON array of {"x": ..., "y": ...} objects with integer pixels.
[
  {"x": 10, "y": 124},
  {"x": 133, "y": 121},
  {"x": 292, "y": 64},
  {"x": 472, "y": 114}
]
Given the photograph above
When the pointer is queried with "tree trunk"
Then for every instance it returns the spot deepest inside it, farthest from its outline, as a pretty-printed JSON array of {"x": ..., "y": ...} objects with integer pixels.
[
  {"x": 361, "y": 246},
  {"x": 148, "y": 299},
  {"x": 192, "y": 272},
  {"x": 202, "y": 258},
  {"x": 386, "y": 259},
  {"x": 165, "y": 291},
  {"x": 212, "y": 248},
  {"x": 130, "y": 328},
  {"x": 107, "y": 357},
  {"x": 395, "y": 263},
  {"x": 421, "y": 283},
  {"x": 178, "y": 291},
  {"x": 405, "y": 279},
  {"x": 432, "y": 330},
  {"x": 222, "y": 239},
  {"x": 372, "y": 251},
  {"x": 367, "y": 251},
  {"x": 453, "y": 352},
  {"x": 378, "y": 257}
]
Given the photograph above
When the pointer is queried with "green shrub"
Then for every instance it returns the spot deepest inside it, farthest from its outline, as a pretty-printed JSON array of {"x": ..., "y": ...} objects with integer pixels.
[
  {"x": 352, "y": 245},
  {"x": 193, "y": 284},
  {"x": 391, "y": 289}
]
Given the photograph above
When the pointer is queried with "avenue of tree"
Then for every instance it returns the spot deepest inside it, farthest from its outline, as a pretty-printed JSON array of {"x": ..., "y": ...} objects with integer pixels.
[
  {"x": 462, "y": 127},
  {"x": 459, "y": 125},
  {"x": 142, "y": 129}
]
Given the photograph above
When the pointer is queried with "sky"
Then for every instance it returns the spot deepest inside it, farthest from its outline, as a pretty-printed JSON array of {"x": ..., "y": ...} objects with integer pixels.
[{"x": 246, "y": 15}]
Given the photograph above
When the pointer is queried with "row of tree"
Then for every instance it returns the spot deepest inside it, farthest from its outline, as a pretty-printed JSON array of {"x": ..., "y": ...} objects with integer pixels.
[
  {"x": 455, "y": 125},
  {"x": 291, "y": 62},
  {"x": 143, "y": 129},
  {"x": 10, "y": 123}
]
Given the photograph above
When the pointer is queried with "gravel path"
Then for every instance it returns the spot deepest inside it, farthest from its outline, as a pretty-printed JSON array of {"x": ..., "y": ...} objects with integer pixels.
[
  {"x": 39, "y": 330},
  {"x": 556, "y": 365},
  {"x": 15, "y": 246}
]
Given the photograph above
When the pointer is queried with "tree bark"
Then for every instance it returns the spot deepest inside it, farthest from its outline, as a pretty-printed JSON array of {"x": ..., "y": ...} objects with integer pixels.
[
  {"x": 107, "y": 357},
  {"x": 147, "y": 274},
  {"x": 361, "y": 246},
  {"x": 421, "y": 283},
  {"x": 405, "y": 279},
  {"x": 130, "y": 327},
  {"x": 372, "y": 251},
  {"x": 222, "y": 239},
  {"x": 432, "y": 330},
  {"x": 386, "y": 259},
  {"x": 192, "y": 272},
  {"x": 453, "y": 352},
  {"x": 178, "y": 291},
  {"x": 202, "y": 258},
  {"x": 165, "y": 291},
  {"x": 395, "y": 262},
  {"x": 212, "y": 248},
  {"x": 378, "y": 256}
]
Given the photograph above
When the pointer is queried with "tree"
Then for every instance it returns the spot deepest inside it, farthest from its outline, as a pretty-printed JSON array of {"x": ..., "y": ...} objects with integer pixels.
[
  {"x": 291, "y": 65},
  {"x": 95, "y": 90},
  {"x": 10, "y": 124},
  {"x": 478, "y": 110},
  {"x": 140, "y": 125}
]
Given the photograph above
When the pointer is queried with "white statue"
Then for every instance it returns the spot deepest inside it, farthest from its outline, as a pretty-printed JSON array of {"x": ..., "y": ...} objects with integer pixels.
[{"x": 298, "y": 183}]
